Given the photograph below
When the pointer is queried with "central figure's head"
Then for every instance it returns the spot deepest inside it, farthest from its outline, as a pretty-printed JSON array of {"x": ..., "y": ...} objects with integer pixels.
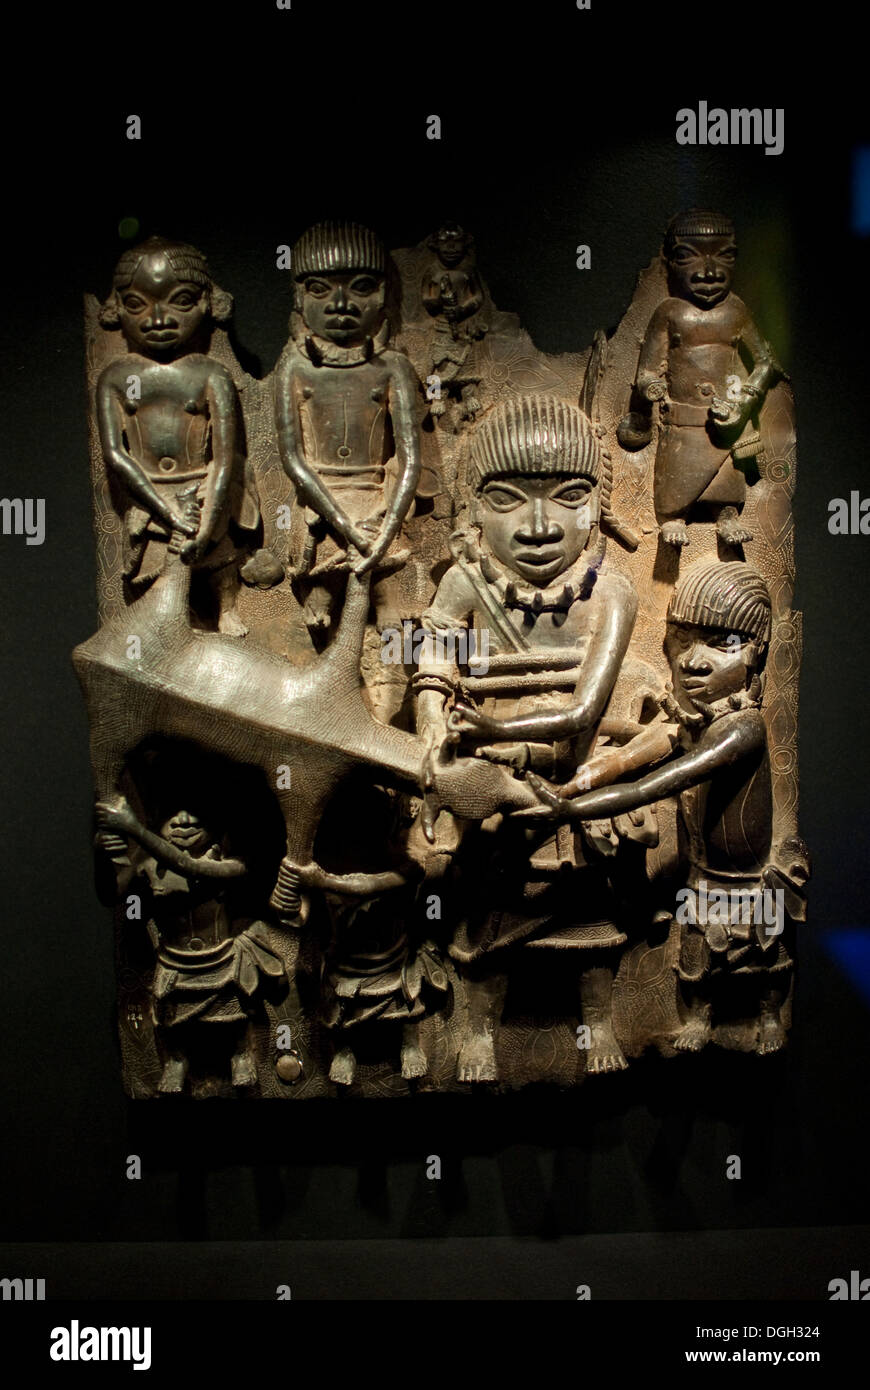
[
  {"x": 717, "y": 634},
  {"x": 536, "y": 467},
  {"x": 340, "y": 274},
  {"x": 700, "y": 250}
]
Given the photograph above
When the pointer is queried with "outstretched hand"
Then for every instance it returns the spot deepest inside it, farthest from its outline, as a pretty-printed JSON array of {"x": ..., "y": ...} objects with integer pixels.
[
  {"x": 462, "y": 719},
  {"x": 545, "y": 792}
]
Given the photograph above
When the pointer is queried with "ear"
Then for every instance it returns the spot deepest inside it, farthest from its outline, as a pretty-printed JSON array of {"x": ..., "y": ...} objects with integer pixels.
[
  {"x": 109, "y": 316},
  {"x": 221, "y": 305}
]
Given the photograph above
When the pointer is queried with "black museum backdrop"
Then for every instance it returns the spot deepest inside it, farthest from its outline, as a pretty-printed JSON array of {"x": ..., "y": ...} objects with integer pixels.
[{"x": 255, "y": 144}]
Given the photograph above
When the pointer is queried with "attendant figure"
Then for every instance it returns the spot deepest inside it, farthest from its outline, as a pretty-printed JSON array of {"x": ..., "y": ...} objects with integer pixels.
[{"x": 168, "y": 415}]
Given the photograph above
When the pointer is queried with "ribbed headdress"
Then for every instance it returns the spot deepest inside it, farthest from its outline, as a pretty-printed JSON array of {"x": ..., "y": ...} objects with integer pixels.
[
  {"x": 337, "y": 246},
  {"x": 697, "y": 222},
  {"x": 535, "y": 435},
  {"x": 729, "y": 594}
]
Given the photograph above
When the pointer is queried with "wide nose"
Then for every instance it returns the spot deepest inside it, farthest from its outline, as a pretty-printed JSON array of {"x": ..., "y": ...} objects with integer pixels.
[
  {"x": 183, "y": 818},
  {"x": 693, "y": 662},
  {"x": 160, "y": 317},
  {"x": 338, "y": 302},
  {"x": 536, "y": 527},
  {"x": 711, "y": 270}
]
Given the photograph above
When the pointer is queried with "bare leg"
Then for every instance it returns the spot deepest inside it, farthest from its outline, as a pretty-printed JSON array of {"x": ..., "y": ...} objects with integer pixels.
[
  {"x": 175, "y": 1070},
  {"x": 225, "y": 582},
  {"x": 343, "y": 1069},
  {"x": 696, "y": 1030},
  {"x": 243, "y": 1067},
  {"x": 414, "y": 1062},
  {"x": 771, "y": 1033},
  {"x": 730, "y": 528},
  {"x": 675, "y": 532},
  {"x": 596, "y": 996},
  {"x": 317, "y": 608},
  {"x": 485, "y": 994}
]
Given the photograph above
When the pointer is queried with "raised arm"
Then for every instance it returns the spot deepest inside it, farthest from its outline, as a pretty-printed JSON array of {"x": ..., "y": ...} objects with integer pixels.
[{"x": 112, "y": 818}]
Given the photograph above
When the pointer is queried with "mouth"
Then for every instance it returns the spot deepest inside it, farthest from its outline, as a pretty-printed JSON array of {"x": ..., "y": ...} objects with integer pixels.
[
  {"x": 539, "y": 559},
  {"x": 341, "y": 321},
  {"x": 162, "y": 335},
  {"x": 185, "y": 835}
]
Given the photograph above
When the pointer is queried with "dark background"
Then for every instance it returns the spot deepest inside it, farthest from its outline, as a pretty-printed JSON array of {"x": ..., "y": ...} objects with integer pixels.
[{"x": 557, "y": 129}]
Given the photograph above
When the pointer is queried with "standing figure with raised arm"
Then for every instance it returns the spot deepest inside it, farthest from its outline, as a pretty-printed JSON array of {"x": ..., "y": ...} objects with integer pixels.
[
  {"x": 705, "y": 362},
  {"x": 168, "y": 415},
  {"x": 207, "y": 976},
  {"x": 557, "y": 624},
  {"x": 346, "y": 411}
]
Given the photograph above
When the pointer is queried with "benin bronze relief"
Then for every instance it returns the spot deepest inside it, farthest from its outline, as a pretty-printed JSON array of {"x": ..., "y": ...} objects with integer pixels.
[{"x": 443, "y": 730}]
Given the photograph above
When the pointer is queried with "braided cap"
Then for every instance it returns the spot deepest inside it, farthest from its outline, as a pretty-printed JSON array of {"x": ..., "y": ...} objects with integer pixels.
[
  {"x": 186, "y": 261},
  {"x": 535, "y": 434},
  {"x": 337, "y": 246},
  {"x": 697, "y": 222},
  {"x": 723, "y": 594}
]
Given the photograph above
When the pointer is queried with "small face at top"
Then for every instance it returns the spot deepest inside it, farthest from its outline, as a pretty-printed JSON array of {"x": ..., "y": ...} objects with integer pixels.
[
  {"x": 186, "y": 831},
  {"x": 701, "y": 268},
  {"x": 708, "y": 664},
  {"x": 344, "y": 307},
  {"x": 160, "y": 313},
  {"x": 538, "y": 526},
  {"x": 450, "y": 244}
]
